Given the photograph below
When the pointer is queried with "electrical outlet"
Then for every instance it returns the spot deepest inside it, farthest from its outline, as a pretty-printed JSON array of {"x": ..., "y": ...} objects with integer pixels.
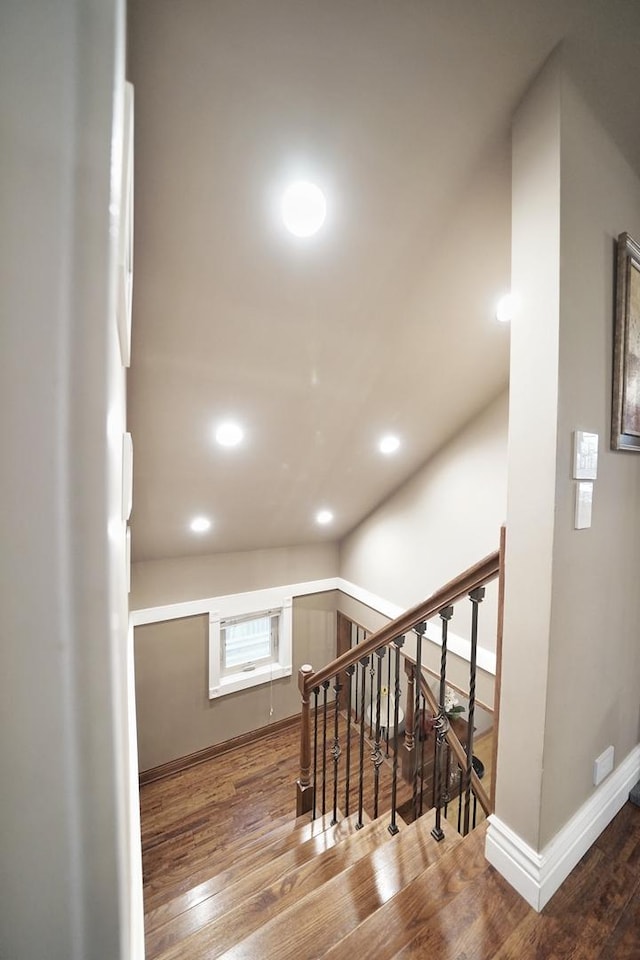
[{"x": 602, "y": 766}]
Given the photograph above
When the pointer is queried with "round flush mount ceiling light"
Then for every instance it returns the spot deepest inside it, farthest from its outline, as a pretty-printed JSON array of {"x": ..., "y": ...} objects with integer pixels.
[
  {"x": 389, "y": 444},
  {"x": 507, "y": 307},
  {"x": 323, "y": 517},
  {"x": 200, "y": 524},
  {"x": 304, "y": 208},
  {"x": 229, "y": 434}
]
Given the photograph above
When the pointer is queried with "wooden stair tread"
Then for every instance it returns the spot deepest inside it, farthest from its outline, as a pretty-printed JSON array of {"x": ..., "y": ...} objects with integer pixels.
[
  {"x": 465, "y": 930},
  {"x": 285, "y": 891},
  {"x": 186, "y": 915},
  {"x": 214, "y": 869},
  {"x": 312, "y": 925},
  {"x": 171, "y": 864},
  {"x": 411, "y": 911}
]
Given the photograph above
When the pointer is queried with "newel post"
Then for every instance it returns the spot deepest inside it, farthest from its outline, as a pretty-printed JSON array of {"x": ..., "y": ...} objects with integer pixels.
[{"x": 304, "y": 788}]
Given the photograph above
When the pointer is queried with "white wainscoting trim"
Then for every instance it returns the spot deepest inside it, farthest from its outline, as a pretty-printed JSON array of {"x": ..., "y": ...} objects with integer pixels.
[
  {"x": 234, "y": 604},
  {"x": 231, "y": 604},
  {"x": 486, "y": 659},
  {"x": 537, "y": 876}
]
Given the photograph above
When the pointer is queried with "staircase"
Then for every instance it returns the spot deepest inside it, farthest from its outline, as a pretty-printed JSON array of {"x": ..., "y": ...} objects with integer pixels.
[
  {"x": 371, "y": 864},
  {"x": 312, "y": 889}
]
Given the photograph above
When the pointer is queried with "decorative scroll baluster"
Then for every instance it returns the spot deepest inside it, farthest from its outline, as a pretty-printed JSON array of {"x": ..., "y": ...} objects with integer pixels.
[
  {"x": 409, "y": 718},
  {"x": 376, "y": 755},
  {"x": 325, "y": 687},
  {"x": 476, "y": 596},
  {"x": 441, "y": 727},
  {"x": 398, "y": 643},
  {"x": 304, "y": 790},
  {"x": 350, "y": 672},
  {"x": 420, "y": 629},
  {"x": 364, "y": 663},
  {"x": 316, "y": 691},
  {"x": 335, "y": 749},
  {"x": 372, "y": 673}
]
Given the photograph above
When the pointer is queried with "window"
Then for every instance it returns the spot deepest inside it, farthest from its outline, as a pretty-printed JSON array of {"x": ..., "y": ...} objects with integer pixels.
[{"x": 248, "y": 642}]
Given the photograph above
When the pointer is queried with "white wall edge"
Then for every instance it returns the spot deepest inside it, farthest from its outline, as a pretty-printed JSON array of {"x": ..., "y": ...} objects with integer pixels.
[{"x": 537, "y": 876}]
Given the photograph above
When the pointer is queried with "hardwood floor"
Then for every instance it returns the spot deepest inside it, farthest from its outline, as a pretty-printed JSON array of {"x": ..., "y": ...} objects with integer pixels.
[{"x": 204, "y": 827}]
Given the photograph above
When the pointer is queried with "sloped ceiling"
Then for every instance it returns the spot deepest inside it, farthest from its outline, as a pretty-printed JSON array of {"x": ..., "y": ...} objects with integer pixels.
[{"x": 383, "y": 322}]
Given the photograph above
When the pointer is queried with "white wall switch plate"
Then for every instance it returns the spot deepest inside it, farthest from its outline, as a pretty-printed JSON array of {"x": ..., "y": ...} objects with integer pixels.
[
  {"x": 585, "y": 455},
  {"x": 584, "y": 502},
  {"x": 603, "y": 766}
]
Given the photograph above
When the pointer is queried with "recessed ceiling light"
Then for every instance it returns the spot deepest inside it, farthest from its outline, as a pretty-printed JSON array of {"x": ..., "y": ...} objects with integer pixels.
[
  {"x": 304, "y": 208},
  {"x": 229, "y": 434},
  {"x": 323, "y": 517},
  {"x": 507, "y": 307},
  {"x": 200, "y": 524},
  {"x": 389, "y": 444}
]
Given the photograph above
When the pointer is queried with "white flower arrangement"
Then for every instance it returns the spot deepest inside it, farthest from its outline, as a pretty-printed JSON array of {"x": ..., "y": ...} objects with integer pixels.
[{"x": 452, "y": 707}]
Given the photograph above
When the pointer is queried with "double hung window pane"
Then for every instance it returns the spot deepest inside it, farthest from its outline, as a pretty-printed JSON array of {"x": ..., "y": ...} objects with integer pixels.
[{"x": 248, "y": 641}]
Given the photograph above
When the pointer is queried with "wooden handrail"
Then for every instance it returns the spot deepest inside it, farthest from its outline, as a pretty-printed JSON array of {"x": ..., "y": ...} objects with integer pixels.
[
  {"x": 477, "y": 575},
  {"x": 452, "y": 739}
]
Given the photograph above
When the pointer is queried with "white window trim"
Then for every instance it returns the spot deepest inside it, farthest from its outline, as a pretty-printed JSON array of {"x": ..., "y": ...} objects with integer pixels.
[{"x": 241, "y": 680}]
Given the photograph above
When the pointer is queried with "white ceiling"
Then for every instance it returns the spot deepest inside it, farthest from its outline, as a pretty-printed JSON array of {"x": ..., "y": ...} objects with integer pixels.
[{"x": 400, "y": 111}]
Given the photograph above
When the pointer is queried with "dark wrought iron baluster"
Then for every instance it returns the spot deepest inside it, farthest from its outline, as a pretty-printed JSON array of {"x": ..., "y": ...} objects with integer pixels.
[
  {"x": 440, "y": 776},
  {"x": 357, "y": 674},
  {"x": 376, "y": 755},
  {"x": 316, "y": 691},
  {"x": 325, "y": 687},
  {"x": 476, "y": 596},
  {"x": 388, "y": 700},
  {"x": 372, "y": 673},
  {"x": 475, "y": 811},
  {"x": 423, "y": 740},
  {"x": 335, "y": 749},
  {"x": 446, "y": 796},
  {"x": 397, "y": 643},
  {"x": 417, "y": 718},
  {"x": 460, "y": 779},
  {"x": 350, "y": 672},
  {"x": 364, "y": 663}
]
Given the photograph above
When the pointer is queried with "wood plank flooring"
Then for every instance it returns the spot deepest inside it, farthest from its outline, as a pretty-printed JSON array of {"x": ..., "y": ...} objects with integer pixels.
[{"x": 206, "y": 819}]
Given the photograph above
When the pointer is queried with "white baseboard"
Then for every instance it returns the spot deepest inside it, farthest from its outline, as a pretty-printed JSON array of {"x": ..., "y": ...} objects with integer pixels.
[{"x": 537, "y": 876}]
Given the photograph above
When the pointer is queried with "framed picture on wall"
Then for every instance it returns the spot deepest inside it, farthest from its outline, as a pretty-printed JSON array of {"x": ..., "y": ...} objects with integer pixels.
[{"x": 625, "y": 408}]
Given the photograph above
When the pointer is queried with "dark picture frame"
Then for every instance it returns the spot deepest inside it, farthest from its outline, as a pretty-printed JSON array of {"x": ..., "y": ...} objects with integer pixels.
[{"x": 625, "y": 407}]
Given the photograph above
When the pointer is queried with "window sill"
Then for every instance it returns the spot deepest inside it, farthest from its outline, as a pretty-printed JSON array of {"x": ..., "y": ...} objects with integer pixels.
[{"x": 253, "y": 678}]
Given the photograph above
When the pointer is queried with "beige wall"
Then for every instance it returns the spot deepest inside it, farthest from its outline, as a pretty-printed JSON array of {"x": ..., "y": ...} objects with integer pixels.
[
  {"x": 571, "y": 667},
  {"x": 594, "y": 651},
  {"x": 532, "y": 453},
  {"x": 446, "y": 517},
  {"x": 175, "y": 715},
  {"x": 158, "y": 582}
]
